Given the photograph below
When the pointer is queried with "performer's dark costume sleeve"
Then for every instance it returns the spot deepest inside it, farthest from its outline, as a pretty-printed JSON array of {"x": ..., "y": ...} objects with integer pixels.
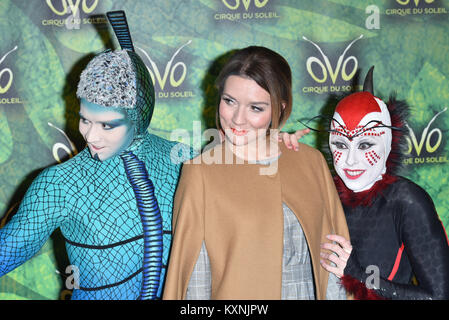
[
  {"x": 39, "y": 214},
  {"x": 426, "y": 245}
]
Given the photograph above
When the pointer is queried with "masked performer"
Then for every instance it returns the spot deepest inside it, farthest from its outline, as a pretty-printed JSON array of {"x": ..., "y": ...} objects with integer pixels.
[
  {"x": 112, "y": 201},
  {"x": 394, "y": 227},
  {"x": 248, "y": 225}
]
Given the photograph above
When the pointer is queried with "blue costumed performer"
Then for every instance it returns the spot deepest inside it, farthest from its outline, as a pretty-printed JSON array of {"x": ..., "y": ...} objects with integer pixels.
[{"x": 112, "y": 201}]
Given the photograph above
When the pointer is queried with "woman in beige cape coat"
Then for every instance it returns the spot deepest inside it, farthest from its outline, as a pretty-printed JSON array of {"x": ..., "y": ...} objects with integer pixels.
[{"x": 250, "y": 215}]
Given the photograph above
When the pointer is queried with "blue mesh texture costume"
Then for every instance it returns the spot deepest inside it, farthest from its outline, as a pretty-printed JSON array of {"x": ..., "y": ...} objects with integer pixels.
[
  {"x": 114, "y": 214},
  {"x": 93, "y": 204}
]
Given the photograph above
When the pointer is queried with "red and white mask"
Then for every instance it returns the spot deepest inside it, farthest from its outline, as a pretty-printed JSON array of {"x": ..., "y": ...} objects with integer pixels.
[{"x": 360, "y": 140}]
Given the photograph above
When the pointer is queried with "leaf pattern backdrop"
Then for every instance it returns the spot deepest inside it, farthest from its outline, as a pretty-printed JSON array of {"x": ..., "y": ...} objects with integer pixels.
[{"x": 46, "y": 43}]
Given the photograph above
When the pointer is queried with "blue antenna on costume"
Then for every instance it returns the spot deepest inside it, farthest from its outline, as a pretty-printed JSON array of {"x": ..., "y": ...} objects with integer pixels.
[
  {"x": 137, "y": 174},
  {"x": 117, "y": 19}
]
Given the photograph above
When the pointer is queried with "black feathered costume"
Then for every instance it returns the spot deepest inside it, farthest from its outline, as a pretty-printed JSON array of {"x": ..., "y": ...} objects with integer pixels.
[{"x": 395, "y": 232}]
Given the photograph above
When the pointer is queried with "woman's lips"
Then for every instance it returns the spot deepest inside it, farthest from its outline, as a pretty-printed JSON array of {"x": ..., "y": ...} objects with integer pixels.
[
  {"x": 353, "y": 174},
  {"x": 238, "y": 132},
  {"x": 94, "y": 148}
]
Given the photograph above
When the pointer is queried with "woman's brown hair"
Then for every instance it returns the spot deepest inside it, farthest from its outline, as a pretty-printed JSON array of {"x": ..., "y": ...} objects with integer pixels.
[{"x": 270, "y": 71}]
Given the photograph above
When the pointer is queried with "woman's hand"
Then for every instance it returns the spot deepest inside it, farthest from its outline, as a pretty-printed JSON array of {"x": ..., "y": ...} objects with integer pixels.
[
  {"x": 340, "y": 251},
  {"x": 291, "y": 139}
]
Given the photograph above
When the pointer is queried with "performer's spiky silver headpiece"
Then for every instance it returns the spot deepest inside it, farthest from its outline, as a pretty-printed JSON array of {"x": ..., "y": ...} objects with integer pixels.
[{"x": 120, "y": 79}]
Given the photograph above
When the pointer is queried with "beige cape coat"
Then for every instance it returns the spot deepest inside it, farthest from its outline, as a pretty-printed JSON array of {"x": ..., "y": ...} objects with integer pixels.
[{"x": 238, "y": 212}]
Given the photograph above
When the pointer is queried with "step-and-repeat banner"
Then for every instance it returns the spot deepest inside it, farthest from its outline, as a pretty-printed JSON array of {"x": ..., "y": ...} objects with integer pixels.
[{"x": 330, "y": 45}]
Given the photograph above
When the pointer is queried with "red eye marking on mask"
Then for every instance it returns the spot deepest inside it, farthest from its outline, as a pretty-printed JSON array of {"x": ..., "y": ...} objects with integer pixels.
[
  {"x": 372, "y": 133},
  {"x": 337, "y": 156},
  {"x": 368, "y": 158},
  {"x": 372, "y": 157},
  {"x": 345, "y": 132}
]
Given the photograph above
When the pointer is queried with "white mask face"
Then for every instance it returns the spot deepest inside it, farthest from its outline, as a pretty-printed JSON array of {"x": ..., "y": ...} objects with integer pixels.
[{"x": 360, "y": 161}]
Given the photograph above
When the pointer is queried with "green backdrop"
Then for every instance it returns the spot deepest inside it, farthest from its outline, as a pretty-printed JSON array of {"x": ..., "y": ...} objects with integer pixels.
[{"x": 330, "y": 45}]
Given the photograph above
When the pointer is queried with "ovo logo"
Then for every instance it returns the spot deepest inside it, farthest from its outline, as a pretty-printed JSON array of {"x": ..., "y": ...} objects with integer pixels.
[
  {"x": 406, "y": 2},
  {"x": 69, "y": 7},
  {"x": 61, "y": 146},
  {"x": 175, "y": 78},
  {"x": 426, "y": 137},
  {"x": 246, "y": 3},
  {"x": 326, "y": 67},
  {"x": 6, "y": 72}
]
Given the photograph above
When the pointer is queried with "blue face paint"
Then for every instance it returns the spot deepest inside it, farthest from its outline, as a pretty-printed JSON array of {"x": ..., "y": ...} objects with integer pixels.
[{"x": 107, "y": 130}]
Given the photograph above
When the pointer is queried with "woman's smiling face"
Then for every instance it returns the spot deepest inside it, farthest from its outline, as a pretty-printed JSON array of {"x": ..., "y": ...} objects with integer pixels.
[
  {"x": 107, "y": 130},
  {"x": 245, "y": 110}
]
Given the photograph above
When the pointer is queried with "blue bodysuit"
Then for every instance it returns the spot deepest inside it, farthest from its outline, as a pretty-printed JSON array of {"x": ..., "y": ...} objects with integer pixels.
[
  {"x": 114, "y": 213},
  {"x": 94, "y": 205}
]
